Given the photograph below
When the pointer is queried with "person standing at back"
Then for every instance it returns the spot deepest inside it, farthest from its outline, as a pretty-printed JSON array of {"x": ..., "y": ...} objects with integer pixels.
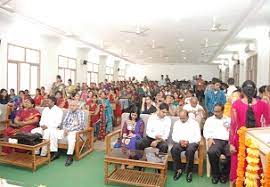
[{"x": 214, "y": 96}]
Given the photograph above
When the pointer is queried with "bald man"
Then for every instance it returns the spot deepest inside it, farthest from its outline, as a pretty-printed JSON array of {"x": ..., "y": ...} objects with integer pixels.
[
  {"x": 73, "y": 122},
  {"x": 195, "y": 110},
  {"x": 186, "y": 136}
]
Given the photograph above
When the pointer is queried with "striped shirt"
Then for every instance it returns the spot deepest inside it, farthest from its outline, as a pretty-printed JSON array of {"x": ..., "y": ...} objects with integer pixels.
[{"x": 74, "y": 121}]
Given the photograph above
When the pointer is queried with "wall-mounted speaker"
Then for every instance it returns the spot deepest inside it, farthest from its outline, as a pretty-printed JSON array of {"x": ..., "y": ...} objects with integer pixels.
[{"x": 84, "y": 62}]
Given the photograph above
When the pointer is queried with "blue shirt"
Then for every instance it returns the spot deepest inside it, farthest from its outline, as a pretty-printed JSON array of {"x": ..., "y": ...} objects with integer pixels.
[{"x": 212, "y": 98}]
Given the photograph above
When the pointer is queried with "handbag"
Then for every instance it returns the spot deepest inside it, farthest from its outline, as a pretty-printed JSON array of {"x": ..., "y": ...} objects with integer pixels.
[{"x": 28, "y": 138}]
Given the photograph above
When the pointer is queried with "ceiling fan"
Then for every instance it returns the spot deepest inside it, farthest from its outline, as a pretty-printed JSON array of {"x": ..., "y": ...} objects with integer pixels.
[
  {"x": 207, "y": 45},
  {"x": 154, "y": 46},
  {"x": 216, "y": 27},
  {"x": 139, "y": 31},
  {"x": 4, "y": 5}
]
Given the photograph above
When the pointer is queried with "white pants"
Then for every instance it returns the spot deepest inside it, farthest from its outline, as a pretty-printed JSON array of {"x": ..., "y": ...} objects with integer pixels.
[{"x": 54, "y": 135}]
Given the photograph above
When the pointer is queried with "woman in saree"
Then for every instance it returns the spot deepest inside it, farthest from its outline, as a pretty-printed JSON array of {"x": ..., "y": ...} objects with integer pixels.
[
  {"x": 27, "y": 118},
  {"x": 58, "y": 86},
  {"x": 246, "y": 111},
  {"x": 132, "y": 131},
  {"x": 61, "y": 101},
  {"x": 106, "y": 105}
]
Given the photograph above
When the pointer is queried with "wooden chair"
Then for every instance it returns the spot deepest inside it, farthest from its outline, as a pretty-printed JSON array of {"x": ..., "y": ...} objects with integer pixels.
[
  {"x": 199, "y": 155},
  {"x": 84, "y": 138},
  {"x": 4, "y": 117}
]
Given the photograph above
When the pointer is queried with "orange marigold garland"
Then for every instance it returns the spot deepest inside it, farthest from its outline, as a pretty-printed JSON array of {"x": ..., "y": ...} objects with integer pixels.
[
  {"x": 241, "y": 157},
  {"x": 265, "y": 181},
  {"x": 253, "y": 159}
]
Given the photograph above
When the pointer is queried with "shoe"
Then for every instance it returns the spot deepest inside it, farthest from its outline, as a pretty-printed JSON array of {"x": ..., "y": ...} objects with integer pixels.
[
  {"x": 177, "y": 175},
  {"x": 55, "y": 155},
  {"x": 69, "y": 161},
  {"x": 189, "y": 177},
  {"x": 215, "y": 180},
  {"x": 223, "y": 179}
]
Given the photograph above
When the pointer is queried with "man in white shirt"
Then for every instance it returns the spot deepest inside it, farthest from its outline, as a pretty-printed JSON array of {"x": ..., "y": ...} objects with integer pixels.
[
  {"x": 157, "y": 130},
  {"x": 162, "y": 81},
  {"x": 195, "y": 111},
  {"x": 231, "y": 87},
  {"x": 51, "y": 119},
  {"x": 216, "y": 132},
  {"x": 186, "y": 136}
]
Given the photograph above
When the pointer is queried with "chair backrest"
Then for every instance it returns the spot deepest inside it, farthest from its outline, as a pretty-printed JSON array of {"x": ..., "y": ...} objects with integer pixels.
[
  {"x": 145, "y": 118},
  {"x": 65, "y": 111},
  {"x": 4, "y": 112}
]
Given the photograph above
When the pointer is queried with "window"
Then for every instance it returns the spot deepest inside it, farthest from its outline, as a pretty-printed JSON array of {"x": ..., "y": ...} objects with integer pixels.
[
  {"x": 23, "y": 68},
  {"x": 236, "y": 72},
  {"x": 226, "y": 74},
  {"x": 121, "y": 74},
  {"x": 109, "y": 73},
  {"x": 67, "y": 68},
  {"x": 252, "y": 68},
  {"x": 92, "y": 73}
]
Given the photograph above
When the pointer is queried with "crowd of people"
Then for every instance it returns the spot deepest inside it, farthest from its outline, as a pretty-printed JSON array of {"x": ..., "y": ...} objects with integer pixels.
[{"x": 214, "y": 110}]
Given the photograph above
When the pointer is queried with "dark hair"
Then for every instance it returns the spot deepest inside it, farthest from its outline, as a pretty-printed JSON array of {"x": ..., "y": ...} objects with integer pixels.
[
  {"x": 53, "y": 99},
  {"x": 249, "y": 89},
  {"x": 42, "y": 87},
  {"x": 163, "y": 106},
  {"x": 58, "y": 76},
  {"x": 21, "y": 91},
  {"x": 134, "y": 109},
  {"x": 220, "y": 105},
  {"x": 262, "y": 89},
  {"x": 69, "y": 80},
  {"x": 231, "y": 81},
  {"x": 268, "y": 88},
  {"x": 1, "y": 96},
  {"x": 31, "y": 101},
  {"x": 215, "y": 80},
  {"x": 39, "y": 91},
  {"x": 12, "y": 89}
]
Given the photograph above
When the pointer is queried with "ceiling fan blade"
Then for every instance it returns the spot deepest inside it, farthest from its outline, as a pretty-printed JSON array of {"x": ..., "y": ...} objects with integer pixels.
[
  {"x": 144, "y": 30},
  {"x": 222, "y": 30},
  {"x": 131, "y": 32}
]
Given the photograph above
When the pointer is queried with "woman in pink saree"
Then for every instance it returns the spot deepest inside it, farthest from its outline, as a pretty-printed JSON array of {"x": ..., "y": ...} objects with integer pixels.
[{"x": 248, "y": 112}]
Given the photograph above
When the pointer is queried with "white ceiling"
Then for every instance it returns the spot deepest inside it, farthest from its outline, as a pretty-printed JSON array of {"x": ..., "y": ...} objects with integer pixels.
[{"x": 175, "y": 25}]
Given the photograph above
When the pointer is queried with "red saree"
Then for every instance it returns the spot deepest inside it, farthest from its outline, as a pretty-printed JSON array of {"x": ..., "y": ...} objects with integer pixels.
[{"x": 22, "y": 115}]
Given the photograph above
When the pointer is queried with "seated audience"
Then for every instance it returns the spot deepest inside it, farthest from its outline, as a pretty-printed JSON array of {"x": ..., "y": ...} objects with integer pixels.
[
  {"x": 216, "y": 133},
  {"x": 186, "y": 136},
  {"x": 51, "y": 119},
  {"x": 61, "y": 101},
  {"x": 147, "y": 106},
  {"x": 195, "y": 110},
  {"x": 157, "y": 130},
  {"x": 4, "y": 97},
  {"x": 132, "y": 131},
  {"x": 73, "y": 122},
  {"x": 26, "y": 119},
  {"x": 38, "y": 97},
  {"x": 80, "y": 102}
]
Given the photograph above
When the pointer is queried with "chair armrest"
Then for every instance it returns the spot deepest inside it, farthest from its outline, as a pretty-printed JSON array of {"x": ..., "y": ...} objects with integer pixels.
[
  {"x": 202, "y": 148},
  {"x": 108, "y": 139},
  {"x": 85, "y": 131}
]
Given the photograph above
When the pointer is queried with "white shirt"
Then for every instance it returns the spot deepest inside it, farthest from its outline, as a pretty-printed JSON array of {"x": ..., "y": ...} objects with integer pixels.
[
  {"x": 188, "y": 131},
  {"x": 230, "y": 90},
  {"x": 217, "y": 128},
  {"x": 52, "y": 118},
  {"x": 162, "y": 82},
  {"x": 158, "y": 126},
  {"x": 190, "y": 108}
]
